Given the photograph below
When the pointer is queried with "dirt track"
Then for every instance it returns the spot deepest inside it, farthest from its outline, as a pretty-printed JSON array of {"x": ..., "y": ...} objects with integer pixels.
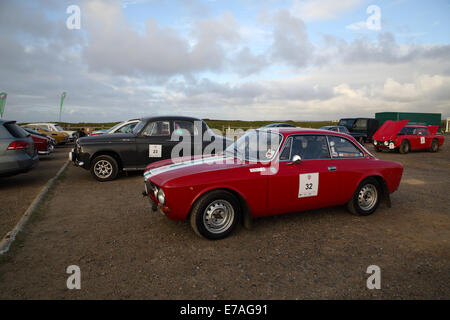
[{"x": 126, "y": 252}]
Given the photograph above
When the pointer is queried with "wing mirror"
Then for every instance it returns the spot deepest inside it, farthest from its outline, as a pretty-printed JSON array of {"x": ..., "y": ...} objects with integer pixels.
[{"x": 295, "y": 160}]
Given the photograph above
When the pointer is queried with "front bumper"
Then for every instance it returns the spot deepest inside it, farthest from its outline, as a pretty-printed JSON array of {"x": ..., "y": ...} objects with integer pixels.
[
  {"x": 79, "y": 159},
  {"x": 381, "y": 145}
]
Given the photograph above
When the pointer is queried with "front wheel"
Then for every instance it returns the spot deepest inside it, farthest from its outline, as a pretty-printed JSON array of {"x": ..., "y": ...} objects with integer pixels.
[
  {"x": 104, "y": 168},
  {"x": 404, "y": 147},
  {"x": 366, "y": 198},
  {"x": 215, "y": 215}
]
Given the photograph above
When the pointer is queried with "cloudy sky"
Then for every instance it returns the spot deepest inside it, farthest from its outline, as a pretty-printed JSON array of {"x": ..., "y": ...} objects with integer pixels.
[{"x": 224, "y": 59}]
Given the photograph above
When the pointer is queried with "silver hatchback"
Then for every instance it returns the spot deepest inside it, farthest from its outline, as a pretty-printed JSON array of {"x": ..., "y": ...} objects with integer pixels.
[{"x": 17, "y": 151}]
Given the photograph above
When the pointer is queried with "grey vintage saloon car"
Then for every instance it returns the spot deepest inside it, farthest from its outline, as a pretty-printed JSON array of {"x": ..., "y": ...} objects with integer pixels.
[{"x": 152, "y": 139}]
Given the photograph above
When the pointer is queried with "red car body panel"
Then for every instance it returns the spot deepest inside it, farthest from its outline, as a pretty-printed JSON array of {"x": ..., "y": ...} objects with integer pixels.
[
  {"x": 421, "y": 140},
  {"x": 41, "y": 143},
  {"x": 268, "y": 194},
  {"x": 389, "y": 130}
]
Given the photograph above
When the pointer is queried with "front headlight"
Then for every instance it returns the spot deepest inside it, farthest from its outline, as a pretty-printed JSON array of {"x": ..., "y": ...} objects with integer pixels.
[
  {"x": 386, "y": 143},
  {"x": 375, "y": 142},
  {"x": 161, "y": 196}
]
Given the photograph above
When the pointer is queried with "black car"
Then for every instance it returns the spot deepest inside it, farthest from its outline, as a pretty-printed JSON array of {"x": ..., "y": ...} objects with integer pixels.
[
  {"x": 362, "y": 129},
  {"x": 152, "y": 139}
]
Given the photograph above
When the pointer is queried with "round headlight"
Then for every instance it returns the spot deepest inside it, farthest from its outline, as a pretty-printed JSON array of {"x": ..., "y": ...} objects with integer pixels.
[
  {"x": 161, "y": 196},
  {"x": 375, "y": 142},
  {"x": 386, "y": 143}
]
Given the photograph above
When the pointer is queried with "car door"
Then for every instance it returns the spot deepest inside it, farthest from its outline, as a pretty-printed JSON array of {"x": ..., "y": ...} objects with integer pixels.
[
  {"x": 153, "y": 143},
  {"x": 351, "y": 165},
  {"x": 312, "y": 183},
  {"x": 423, "y": 139}
]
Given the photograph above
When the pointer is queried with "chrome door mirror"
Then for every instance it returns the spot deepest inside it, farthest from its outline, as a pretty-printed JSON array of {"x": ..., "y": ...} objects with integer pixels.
[{"x": 296, "y": 160}]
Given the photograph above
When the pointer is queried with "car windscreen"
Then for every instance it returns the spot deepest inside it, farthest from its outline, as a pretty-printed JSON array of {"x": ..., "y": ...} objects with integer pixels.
[
  {"x": 138, "y": 127},
  {"x": 346, "y": 122},
  {"x": 15, "y": 130},
  {"x": 115, "y": 127},
  {"x": 256, "y": 145}
]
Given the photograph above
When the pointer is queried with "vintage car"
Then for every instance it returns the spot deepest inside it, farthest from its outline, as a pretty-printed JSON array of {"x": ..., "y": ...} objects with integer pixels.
[
  {"x": 53, "y": 127},
  {"x": 362, "y": 129},
  {"x": 59, "y": 136},
  {"x": 268, "y": 172},
  {"x": 152, "y": 139},
  {"x": 398, "y": 136}
]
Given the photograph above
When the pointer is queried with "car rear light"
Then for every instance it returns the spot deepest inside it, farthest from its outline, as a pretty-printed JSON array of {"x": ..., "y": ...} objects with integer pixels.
[{"x": 18, "y": 145}]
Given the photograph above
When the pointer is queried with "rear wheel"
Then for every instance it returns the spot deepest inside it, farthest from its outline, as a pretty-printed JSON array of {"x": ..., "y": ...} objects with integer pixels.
[
  {"x": 366, "y": 198},
  {"x": 404, "y": 147},
  {"x": 434, "y": 146},
  {"x": 215, "y": 215},
  {"x": 104, "y": 168}
]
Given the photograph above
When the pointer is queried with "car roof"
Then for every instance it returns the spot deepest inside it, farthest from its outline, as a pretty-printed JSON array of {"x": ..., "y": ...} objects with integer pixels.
[{"x": 171, "y": 118}]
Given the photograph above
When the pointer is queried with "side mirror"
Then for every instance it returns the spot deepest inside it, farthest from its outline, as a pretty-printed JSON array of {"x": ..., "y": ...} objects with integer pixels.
[{"x": 295, "y": 160}]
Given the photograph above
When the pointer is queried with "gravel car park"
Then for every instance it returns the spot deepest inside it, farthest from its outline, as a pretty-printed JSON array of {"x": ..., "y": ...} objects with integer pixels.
[{"x": 125, "y": 252}]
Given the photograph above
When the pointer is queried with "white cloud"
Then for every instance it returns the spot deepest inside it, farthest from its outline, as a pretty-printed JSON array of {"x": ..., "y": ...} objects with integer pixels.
[{"x": 310, "y": 10}]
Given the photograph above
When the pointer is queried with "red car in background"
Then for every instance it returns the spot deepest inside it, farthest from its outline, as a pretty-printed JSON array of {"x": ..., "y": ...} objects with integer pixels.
[
  {"x": 268, "y": 172},
  {"x": 396, "y": 135},
  {"x": 42, "y": 144}
]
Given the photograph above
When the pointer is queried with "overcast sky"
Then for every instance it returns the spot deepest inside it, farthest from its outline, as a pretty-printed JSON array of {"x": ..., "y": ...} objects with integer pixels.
[{"x": 224, "y": 59}]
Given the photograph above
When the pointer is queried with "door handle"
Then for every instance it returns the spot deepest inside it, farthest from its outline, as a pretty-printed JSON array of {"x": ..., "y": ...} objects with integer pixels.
[{"x": 332, "y": 168}]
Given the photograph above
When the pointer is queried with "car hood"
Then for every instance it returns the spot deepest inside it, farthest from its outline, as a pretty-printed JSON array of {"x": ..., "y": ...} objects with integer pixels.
[
  {"x": 389, "y": 130},
  {"x": 106, "y": 138},
  {"x": 433, "y": 129},
  {"x": 168, "y": 170}
]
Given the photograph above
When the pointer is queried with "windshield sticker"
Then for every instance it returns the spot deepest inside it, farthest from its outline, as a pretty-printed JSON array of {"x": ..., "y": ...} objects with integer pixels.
[
  {"x": 154, "y": 151},
  {"x": 309, "y": 185},
  {"x": 269, "y": 154}
]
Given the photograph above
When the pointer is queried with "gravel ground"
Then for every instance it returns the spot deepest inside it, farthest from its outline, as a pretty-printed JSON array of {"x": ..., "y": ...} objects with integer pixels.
[
  {"x": 126, "y": 252},
  {"x": 17, "y": 192}
]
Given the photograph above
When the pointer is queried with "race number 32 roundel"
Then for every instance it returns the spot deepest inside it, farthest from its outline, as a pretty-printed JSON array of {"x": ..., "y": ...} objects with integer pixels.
[{"x": 309, "y": 185}]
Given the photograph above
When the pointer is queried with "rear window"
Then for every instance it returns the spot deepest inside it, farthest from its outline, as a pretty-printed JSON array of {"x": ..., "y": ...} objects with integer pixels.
[{"x": 15, "y": 130}]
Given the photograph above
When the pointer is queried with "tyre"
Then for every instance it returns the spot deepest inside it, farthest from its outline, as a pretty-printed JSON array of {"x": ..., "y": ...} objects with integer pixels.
[
  {"x": 104, "y": 168},
  {"x": 434, "y": 146},
  {"x": 404, "y": 147},
  {"x": 366, "y": 198},
  {"x": 215, "y": 215}
]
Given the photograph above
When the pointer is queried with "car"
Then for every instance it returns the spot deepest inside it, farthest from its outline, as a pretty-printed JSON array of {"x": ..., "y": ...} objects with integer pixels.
[
  {"x": 279, "y": 125},
  {"x": 42, "y": 144},
  {"x": 152, "y": 139},
  {"x": 17, "y": 151},
  {"x": 297, "y": 169},
  {"x": 59, "y": 136},
  {"x": 122, "y": 127},
  {"x": 398, "y": 136},
  {"x": 37, "y": 133},
  {"x": 362, "y": 129},
  {"x": 53, "y": 127},
  {"x": 341, "y": 129}
]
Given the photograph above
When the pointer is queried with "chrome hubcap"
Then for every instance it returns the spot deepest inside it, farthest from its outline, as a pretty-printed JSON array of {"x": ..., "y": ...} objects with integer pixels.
[
  {"x": 218, "y": 216},
  {"x": 367, "y": 197},
  {"x": 103, "y": 169}
]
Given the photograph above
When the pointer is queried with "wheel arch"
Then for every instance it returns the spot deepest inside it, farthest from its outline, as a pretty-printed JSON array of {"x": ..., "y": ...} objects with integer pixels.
[
  {"x": 385, "y": 196},
  {"x": 110, "y": 153},
  {"x": 245, "y": 213}
]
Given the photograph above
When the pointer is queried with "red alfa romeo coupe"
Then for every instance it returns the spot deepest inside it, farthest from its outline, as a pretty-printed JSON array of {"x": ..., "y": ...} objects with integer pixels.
[{"x": 268, "y": 172}]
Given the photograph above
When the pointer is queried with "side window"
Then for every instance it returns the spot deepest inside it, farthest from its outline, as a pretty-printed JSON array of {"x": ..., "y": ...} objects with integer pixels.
[
  {"x": 157, "y": 128},
  {"x": 343, "y": 148},
  {"x": 180, "y": 125},
  {"x": 333, "y": 129},
  {"x": 310, "y": 147},
  {"x": 285, "y": 154}
]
